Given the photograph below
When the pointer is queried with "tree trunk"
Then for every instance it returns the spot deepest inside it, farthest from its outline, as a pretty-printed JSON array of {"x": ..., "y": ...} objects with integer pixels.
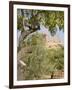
[{"x": 23, "y": 36}]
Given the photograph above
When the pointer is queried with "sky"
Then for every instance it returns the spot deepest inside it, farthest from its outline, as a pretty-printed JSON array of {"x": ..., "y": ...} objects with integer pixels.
[{"x": 59, "y": 34}]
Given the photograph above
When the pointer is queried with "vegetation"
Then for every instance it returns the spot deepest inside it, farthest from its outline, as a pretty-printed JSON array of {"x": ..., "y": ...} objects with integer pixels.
[
  {"x": 34, "y": 18},
  {"x": 41, "y": 61}
]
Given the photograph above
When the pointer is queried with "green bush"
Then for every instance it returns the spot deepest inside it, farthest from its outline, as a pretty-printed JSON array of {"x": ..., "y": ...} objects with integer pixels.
[{"x": 40, "y": 60}]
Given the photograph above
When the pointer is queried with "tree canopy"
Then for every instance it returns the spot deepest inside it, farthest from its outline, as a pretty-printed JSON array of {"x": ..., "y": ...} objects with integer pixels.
[{"x": 50, "y": 19}]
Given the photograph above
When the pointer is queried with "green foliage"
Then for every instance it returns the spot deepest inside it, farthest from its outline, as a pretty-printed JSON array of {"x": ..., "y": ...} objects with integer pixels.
[
  {"x": 33, "y": 63},
  {"x": 41, "y": 60},
  {"x": 47, "y": 18},
  {"x": 53, "y": 18},
  {"x": 20, "y": 23},
  {"x": 56, "y": 61},
  {"x": 35, "y": 39}
]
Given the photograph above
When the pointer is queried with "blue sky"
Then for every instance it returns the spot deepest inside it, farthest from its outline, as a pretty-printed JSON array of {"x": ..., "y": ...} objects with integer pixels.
[{"x": 59, "y": 34}]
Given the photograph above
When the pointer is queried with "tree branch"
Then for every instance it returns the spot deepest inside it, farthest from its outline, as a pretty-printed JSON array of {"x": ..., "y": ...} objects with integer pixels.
[{"x": 24, "y": 35}]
